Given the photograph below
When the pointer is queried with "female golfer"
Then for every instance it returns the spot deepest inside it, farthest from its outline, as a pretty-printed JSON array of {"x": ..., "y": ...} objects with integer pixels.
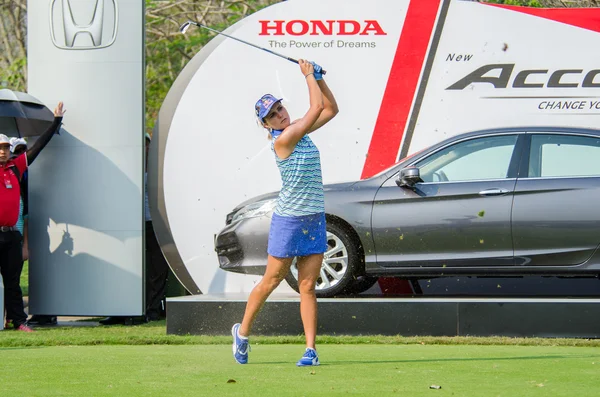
[{"x": 298, "y": 223}]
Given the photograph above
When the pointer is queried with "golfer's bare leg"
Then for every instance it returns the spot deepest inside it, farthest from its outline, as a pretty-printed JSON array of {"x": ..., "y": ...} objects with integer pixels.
[
  {"x": 308, "y": 273},
  {"x": 277, "y": 269}
]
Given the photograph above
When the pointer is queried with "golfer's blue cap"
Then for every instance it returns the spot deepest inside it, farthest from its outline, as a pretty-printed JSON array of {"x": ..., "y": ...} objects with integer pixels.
[{"x": 264, "y": 104}]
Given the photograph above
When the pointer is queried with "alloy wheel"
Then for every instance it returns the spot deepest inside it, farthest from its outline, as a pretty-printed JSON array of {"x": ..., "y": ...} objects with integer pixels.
[{"x": 334, "y": 265}]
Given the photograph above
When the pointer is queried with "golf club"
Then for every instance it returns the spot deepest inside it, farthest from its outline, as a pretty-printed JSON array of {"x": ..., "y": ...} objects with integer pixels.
[{"x": 187, "y": 25}]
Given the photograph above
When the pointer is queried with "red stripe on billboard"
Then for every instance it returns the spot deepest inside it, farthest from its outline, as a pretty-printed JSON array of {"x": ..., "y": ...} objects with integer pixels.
[
  {"x": 401, "y": 86},
  {"x": 586, "y": 18}
]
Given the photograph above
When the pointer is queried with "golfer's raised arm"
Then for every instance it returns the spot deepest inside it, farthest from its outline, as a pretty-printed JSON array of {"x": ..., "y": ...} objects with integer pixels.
[
  {"x": 330, "y": 107},
  {"x": 287, "y": 141},
  {"x": 43, "y": 140}
]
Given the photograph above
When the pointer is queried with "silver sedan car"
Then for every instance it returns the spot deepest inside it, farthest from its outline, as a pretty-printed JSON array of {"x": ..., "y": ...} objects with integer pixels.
[{"x": 504, "y": 202}]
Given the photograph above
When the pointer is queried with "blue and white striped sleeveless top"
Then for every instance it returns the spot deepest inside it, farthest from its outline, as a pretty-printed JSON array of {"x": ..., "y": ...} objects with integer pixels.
[{"x": 302, "y": 184}]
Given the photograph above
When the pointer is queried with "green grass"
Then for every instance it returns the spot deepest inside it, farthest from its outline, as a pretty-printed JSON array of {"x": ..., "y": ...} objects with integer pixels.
[
  {"x": 155, "y": 334},
  {"x": 370, "y": 370},
  {"x": 144, "y": 361},
  {"x": 25, "y": 279}
]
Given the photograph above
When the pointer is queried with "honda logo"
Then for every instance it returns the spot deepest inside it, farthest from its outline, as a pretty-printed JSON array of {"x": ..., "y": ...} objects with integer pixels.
[{"x": 83, "y": 24}]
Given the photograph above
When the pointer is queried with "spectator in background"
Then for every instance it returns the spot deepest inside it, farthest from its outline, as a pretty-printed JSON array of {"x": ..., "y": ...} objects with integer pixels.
[
  {"x": 18, "y": 147},
  {"x": 157, "y": 269},
  {"x": 11, "y": 249}
]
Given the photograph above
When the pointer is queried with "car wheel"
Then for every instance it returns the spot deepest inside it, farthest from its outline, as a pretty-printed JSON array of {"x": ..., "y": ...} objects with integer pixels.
[
  {"x": 361, "y": 284},
  {"x": 340, "y": 264}
]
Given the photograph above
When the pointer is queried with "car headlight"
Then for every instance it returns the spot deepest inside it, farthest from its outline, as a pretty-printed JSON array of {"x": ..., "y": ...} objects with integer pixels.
[{"x": 254, "y": 210}]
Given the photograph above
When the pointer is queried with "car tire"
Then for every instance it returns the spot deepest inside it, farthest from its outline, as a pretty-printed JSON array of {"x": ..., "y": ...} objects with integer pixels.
[
  {"x": 341, "y": 263},
  {"x": 361, "y": 284}
]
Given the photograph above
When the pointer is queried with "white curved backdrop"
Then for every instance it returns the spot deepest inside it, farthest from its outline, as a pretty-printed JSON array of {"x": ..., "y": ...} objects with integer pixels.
[{"x": 217, "y": 156}]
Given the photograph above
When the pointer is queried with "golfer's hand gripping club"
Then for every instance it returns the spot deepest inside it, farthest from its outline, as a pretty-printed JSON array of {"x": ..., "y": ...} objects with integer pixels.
[{"x": 187, "y": 25}]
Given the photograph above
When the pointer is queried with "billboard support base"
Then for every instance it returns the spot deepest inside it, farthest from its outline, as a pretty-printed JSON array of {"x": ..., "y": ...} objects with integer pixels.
[{"x": 512, "y": 317}]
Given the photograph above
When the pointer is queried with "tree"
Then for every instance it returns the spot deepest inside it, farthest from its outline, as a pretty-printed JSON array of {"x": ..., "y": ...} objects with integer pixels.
[
  {"x": 548, "y": 3},
  {"x": 13, "y": 53}
]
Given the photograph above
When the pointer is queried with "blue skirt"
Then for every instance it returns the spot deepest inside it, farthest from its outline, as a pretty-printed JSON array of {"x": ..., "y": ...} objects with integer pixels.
[{"x": 292, "y": 236}]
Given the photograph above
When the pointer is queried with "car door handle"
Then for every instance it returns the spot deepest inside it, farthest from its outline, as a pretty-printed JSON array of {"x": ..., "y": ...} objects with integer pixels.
[{"x": 493, "y": 192}]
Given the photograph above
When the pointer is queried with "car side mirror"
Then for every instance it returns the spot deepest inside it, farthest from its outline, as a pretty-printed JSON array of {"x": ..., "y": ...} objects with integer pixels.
[{"x": 408, "y": 177}]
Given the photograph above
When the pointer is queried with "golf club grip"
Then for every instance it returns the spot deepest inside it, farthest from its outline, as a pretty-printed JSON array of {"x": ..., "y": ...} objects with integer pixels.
[{"x": 323, "y": 71}]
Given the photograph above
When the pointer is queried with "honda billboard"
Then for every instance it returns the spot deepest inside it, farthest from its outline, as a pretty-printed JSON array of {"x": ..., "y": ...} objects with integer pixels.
[{"x": 406, "y": 74}]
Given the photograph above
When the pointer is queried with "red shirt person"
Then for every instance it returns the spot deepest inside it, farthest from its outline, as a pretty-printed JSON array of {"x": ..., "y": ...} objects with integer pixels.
[
  {"x": 11, "y": 255},
  {"x": 10, "y": 193}
]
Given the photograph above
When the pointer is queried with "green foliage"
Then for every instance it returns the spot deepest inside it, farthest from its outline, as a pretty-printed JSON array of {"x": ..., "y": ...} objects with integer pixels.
[
  {"x": 12, "y": 76},
  {"x": 523, "y": 3},
  {"x": 24, "y": 282}
]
